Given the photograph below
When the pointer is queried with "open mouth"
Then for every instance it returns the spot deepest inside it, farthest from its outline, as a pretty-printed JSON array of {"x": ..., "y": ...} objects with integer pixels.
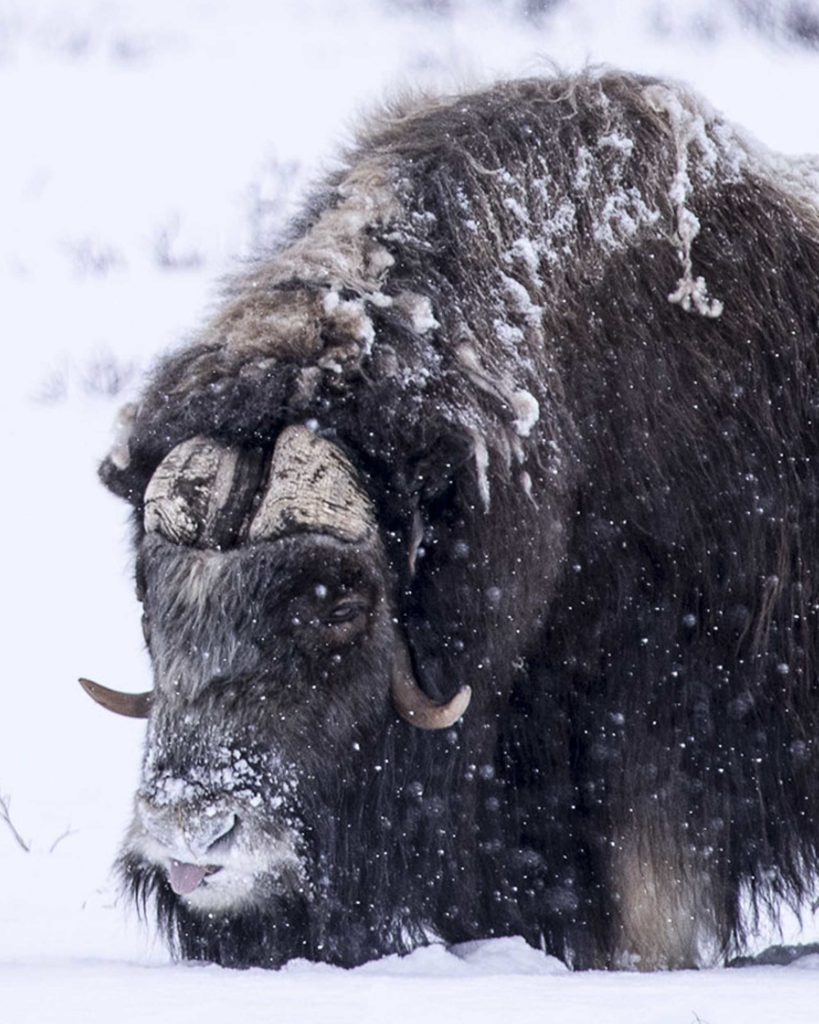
[{"x": 185, "y": 878}]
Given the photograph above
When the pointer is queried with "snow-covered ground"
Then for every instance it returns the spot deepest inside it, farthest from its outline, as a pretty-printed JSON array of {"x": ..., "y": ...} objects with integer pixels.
[{"x": 147, "y": 147}]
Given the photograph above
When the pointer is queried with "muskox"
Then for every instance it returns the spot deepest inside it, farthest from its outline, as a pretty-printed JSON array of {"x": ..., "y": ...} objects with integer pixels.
[{"x": 475, "y": 539}]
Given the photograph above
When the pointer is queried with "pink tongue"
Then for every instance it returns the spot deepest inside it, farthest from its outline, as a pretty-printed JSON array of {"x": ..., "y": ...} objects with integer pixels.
[{"x": 184, "y": 878}]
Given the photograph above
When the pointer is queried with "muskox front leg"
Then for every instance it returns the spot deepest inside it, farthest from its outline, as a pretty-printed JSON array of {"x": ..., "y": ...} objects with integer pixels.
[{"x": 662, "y": 905}]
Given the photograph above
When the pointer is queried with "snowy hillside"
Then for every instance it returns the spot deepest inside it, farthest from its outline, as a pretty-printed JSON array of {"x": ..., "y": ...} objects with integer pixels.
[{"x": 148, "y": 147}]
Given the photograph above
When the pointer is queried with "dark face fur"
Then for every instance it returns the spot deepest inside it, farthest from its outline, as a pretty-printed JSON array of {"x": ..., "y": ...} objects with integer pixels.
[{"x": 272, "y": 662}]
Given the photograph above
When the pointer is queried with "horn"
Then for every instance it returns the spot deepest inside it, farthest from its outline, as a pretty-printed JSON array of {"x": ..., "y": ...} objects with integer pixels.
[
  {"x": 200, "y": 492},
  {"x": 132, "y": 705},
  {"x": 312, "y": 486},
  {"x": 414, "y": 706}
]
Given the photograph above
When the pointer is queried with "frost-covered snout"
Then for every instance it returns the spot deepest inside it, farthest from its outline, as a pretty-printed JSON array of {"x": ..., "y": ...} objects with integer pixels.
[
  {"x": 196, "y": 843},
  {"x": 217, "y": 853},
  {"x": 188, "y": 834}
]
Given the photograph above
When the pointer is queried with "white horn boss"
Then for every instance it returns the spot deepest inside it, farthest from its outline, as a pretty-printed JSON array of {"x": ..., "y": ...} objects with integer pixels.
[
  {"x": 312, "y": 485},
  {"x": 200, "y": 492}
]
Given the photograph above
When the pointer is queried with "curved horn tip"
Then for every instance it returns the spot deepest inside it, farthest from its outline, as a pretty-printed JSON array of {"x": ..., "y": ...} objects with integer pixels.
[
  {"x": 427, "y": 715},
  {"x": 131, "y": 705},
  {"x": 456, "y": 707}
]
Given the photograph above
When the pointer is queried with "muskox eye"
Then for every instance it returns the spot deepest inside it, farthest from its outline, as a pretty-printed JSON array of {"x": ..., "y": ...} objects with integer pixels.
[{"x": 345, "y": 611}]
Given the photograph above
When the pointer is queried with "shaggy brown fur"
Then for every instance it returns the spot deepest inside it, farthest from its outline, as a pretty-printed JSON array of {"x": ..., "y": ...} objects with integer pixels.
[{"x": 567, "y": 328}]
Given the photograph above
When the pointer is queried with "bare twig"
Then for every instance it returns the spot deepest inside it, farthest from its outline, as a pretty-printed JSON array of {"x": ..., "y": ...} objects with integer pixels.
[
  {"x": 68, "y": 832},
  {"x": 6, "y": 817}
]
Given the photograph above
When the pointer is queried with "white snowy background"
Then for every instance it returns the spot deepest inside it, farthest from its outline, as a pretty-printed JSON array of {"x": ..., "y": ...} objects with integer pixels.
[{"x": 147, "y": 147}]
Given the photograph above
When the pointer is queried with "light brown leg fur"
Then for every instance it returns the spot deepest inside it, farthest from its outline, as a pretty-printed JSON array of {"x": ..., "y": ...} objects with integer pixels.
[{"x": 663, "y": 901}]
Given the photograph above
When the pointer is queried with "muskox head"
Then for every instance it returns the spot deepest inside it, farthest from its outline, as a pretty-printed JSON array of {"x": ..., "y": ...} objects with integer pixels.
[{"x": 279, "y": 658}]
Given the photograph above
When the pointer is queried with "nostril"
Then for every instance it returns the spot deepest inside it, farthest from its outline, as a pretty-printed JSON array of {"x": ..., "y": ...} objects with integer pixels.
[
  {"x": 207, "y": 832},
  {"x": 222, "y": 832}
]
